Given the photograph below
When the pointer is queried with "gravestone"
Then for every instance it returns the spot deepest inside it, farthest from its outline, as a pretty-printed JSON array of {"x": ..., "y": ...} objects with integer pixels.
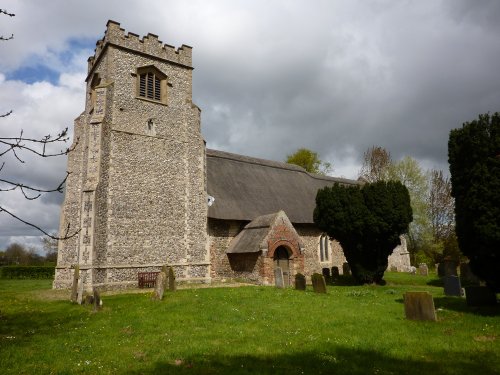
[
  {"x": 423, "y": 270},
  {"x": 278, "y": 278},
  {"x": 467, "y": 277},
  {"x": 346, "y": 269},
  {"x": 480, "y": 296},
  {"x": 172, "y": 284},
  {"x": 74, "y": 286},
  {"x": 419, "y": 306},
  {"x": 79, "y": 298},
  {"x": 319, "y": 284},
  {"x": 450, "y": 267},
  {"x": 335, "y": 273},
  {"x": 452, "y": 286},
  {"x": 159, "y": 287},
  {"x": 300, "y": 282},
  {"x": 97, "y": 299},
  {"x": 326, "y": 273}
]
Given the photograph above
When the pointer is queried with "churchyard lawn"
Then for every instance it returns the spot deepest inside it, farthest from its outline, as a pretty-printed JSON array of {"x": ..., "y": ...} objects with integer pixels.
[{"x": 245, "y": 330}]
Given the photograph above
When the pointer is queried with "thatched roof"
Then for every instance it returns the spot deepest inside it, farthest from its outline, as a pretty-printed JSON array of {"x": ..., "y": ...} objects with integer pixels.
[
  {"x": 245, "y": 188},
  {"x": 251, "y": 237}
]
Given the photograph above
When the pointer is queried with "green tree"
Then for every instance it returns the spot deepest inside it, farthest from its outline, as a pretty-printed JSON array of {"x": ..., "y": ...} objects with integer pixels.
[
  {"x": 310, "y": 161},
  {"x": 411, "y": 175},
  {"x": 367, "y": 221},
  {"x": 474, "y": 157}
]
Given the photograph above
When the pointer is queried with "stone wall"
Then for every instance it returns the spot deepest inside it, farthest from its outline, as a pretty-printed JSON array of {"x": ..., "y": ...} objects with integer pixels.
[{"x": 312, "y": 262}]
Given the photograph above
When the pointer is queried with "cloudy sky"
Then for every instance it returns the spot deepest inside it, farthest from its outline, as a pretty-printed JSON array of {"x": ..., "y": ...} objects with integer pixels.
[{"x": 270, "y": 77}]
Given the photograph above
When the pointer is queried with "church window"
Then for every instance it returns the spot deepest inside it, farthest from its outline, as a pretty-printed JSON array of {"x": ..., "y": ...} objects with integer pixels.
[
  {"x": 152, "y": 84},
  {"x": 324, "y": 248}
]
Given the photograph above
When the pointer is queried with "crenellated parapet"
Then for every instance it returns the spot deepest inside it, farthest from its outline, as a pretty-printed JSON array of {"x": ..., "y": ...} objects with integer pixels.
[{"x": 149, "y": 44}]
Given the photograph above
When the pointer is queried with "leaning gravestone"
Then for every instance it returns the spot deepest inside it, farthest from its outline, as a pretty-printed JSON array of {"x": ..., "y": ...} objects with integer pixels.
[
  {"x": 452, "y": 286},
  {"x": 278, "y": 278},
  {"x": 480, "y": 296},
  {"x": 346, "y": 269},
  {"x": 159, "y": 287},
  {"x": 335, "y": 273},
  {"x": 419, "y": 306},
  {"x": 74, "y": 286},
  {"x": 423, "y": 270},
  {"x": 172, "y": 285},
  {"x": 319, "y": 284},
  {"x": 300, "y": 282}
]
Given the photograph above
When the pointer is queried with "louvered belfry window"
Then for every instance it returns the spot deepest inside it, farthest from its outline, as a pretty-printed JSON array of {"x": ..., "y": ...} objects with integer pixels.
[{"x": 150, "y": 86}]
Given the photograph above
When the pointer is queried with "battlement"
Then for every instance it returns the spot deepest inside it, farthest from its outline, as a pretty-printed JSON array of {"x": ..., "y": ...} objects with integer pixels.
[{"x": 150, "y": 45}]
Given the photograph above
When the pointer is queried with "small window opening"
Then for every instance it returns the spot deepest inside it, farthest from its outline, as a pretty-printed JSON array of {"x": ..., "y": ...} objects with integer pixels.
[{"x": 324, "y": 248}]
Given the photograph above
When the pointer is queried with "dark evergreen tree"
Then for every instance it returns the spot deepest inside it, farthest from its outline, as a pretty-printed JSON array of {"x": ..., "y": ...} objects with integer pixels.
[
  {"x": 474, "y": 157},
  {"x": 367, "y": 221}
]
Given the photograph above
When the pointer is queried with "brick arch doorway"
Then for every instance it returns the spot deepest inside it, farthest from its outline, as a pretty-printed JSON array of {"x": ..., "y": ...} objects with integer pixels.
[{"x": 282, "y": 259}]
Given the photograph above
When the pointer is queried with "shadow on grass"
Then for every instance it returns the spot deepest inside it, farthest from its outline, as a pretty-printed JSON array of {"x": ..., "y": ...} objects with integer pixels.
[
  {"x": 23, "y": 324},
  {"x": 331, "y": 360},
  {"x": 459, "y": 304},
  {"x": 343, "y": 280},
  {"x": 436, "y": 282}
]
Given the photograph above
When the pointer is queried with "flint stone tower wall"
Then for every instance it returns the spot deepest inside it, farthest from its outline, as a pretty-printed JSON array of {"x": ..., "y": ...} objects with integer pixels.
[{"x": 137, "y": 189}]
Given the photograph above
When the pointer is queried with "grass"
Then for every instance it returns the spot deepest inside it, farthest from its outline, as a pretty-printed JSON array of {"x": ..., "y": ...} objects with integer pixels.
[{"x": 251, "y": 329}]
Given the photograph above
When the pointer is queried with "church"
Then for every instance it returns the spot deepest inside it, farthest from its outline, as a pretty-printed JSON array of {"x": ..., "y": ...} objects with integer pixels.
[{"x": 144, "y": 191}]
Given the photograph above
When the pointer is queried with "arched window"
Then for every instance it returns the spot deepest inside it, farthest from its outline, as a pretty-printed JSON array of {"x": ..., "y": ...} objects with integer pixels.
[
  {"x": 151, "y": 84},
  {"x": 324, "y": 248}
]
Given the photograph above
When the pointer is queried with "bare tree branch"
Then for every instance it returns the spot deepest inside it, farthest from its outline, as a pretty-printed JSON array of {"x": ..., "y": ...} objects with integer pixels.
[
  {"x": 3, "y": 11},
  {"x": 6, "y": 114},
  {"x": 12, "y": 144},
  {"x": 66, "y": 235}
]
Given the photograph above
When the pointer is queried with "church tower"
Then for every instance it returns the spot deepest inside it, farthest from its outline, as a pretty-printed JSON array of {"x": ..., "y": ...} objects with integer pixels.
[{"x": 136, "y": 190}]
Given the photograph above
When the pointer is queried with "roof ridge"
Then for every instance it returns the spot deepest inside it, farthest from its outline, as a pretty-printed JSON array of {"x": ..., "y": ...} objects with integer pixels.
[{"x": 273, "y": 164}]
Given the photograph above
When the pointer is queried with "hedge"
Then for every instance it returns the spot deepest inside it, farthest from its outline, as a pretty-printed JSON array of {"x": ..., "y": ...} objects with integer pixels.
[{"x": 27, "y": 272}]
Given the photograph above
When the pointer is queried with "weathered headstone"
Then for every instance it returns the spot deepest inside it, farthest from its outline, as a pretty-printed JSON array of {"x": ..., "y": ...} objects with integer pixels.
[
  {"x": 346, "y": 269},
  {"x": 300, "y": 282},
  {"x": 480, "y": 296},
  {"x": 423, "y": 270},
  {"x": 419, "y": 306},
  {"x": 335, "y": 273},
  {"x": 172, "y": 284},
  {"x": 74, "y": 286},
  {"x": 319, "y": 284},
  {"x": 97, "y": 299},
  {"x": 467, "y": 277},
  {"x": 394, "y": 269},
  {"x": 452, "y": 286},
  {"x": 326, "y": 273},
  {"x": 159, "y": 287},
  {"x": 278, "y": 278}
]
